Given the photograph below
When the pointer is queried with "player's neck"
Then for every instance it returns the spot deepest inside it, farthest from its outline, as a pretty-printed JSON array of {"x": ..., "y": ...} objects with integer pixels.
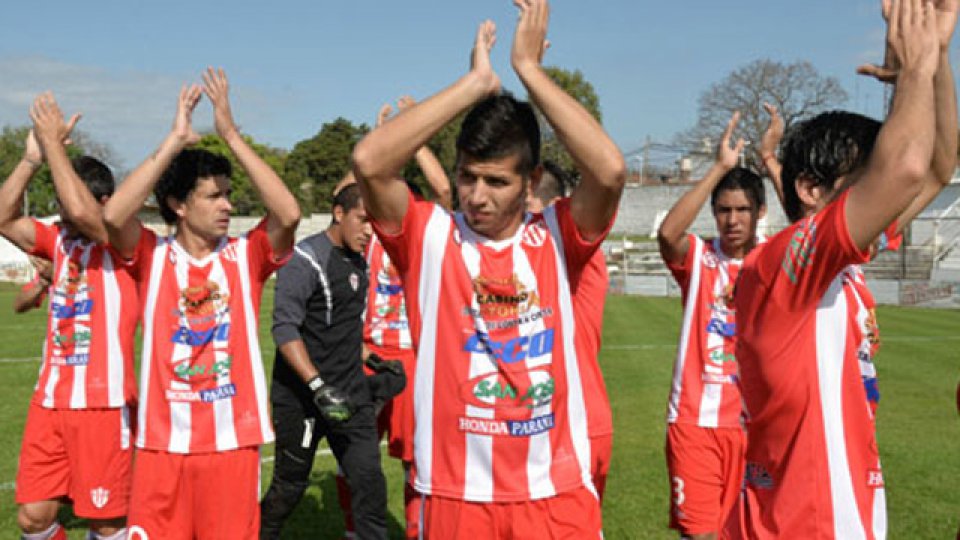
[
  {"x": 196, "y": 245},
  {"x": 333, "y": 233}
]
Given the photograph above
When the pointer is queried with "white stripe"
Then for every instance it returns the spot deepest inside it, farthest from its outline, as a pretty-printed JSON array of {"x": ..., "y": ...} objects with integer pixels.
[
  {"x": 323, "y": 281},
  {"x": 435, "y": 241},
  {"x": 479, "y": 447},
  {"x": 256, "y": 360},
  {"x": 576, "y": 404},
  {"x": 146, "y": 355},
  {"x": 115, "y": 305},
  {"x": 224, "y": 429},
  {"x": 54, "y": 372},
  {"x": 673, "y": 406},
  {"x": 124, "y": 427},
  {"x": 81, "y": 323},
  {"x": 712, "y": 392},
  {"x": 831, "y": 338},
  {"x": 180, "y": 411},
  {"x": 879, "y": 512}
]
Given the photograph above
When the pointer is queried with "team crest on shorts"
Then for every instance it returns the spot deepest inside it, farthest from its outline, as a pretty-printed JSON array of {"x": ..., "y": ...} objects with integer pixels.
[
  {"x": 99, "y": 496},
  {"x": 354, "y": 281}
]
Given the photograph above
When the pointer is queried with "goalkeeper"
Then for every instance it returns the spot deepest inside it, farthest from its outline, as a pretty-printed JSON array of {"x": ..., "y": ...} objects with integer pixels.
[{"x": 319, "y": 388}]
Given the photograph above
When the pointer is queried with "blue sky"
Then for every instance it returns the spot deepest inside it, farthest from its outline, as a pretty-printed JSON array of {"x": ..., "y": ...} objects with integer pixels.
[{"x": 295, "y": 64}]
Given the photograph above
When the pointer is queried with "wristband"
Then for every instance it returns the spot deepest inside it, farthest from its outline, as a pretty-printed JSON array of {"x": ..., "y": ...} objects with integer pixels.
[{"x": 314, "y": 383}]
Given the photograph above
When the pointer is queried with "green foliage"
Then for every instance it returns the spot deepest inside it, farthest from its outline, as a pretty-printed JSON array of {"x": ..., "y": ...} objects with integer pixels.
[
  {"x": 245, "y": 199},
  {"x": 315, "y": 165},
  {"x": 41, "y": 197}
]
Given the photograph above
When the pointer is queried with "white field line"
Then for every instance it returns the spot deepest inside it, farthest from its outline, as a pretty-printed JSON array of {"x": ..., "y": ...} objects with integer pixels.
[{"x": 10, "y": 486}]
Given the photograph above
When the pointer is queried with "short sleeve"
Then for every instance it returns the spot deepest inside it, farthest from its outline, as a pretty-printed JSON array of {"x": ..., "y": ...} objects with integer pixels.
[
  {"x": 577, "y": 249},
  {"x": 45, "y": 239},
  {"x": 681, "y": 271},
  {"x": 401, "y": 245},
  {"x": 263, "y": 259}
]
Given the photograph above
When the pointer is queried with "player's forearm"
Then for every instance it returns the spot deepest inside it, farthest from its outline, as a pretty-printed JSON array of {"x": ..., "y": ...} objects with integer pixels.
[
  {"x": 295, "y": 355},
  {"x": 28, "y": 299},
  {"x": 436, "y": 176},
  {"x": 945, "y": 100},
  {"x": 138, "y": 185},
  {"x": 76, "y": 201},
  {"x": 277, "y": 199},
  {"x": 11, "y": 192},
  {"x": 379, "y": 157},
  {"x": 904, "y": 147},
  {"x": 673, "y": 230},
  {"x": 598, "y": 159}
]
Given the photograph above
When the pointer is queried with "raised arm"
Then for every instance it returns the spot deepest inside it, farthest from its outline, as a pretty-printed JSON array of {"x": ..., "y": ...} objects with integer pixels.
[
  {"x": 901, "y": 157},
  {"x": 430, "y": 165},
  {"x": 283, "y": 212},
  {"x": 380, "y": 156},
  {"x": 13, "y": 225},
  {"x": 77, "y": 204},
  {"x": 120, "y": 212},
  {"x": 768, "y": 149},
  {"x": 672, "y": 234},
  {"x": 602, "y": 169}
]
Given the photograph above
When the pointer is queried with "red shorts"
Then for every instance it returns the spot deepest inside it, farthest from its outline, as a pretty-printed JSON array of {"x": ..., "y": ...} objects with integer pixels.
[
  {"x": 706, "y": 473},
  {"x": 601, "y": 447},
  {"x": 574, "y": 515},
  {"x": 84, "y": 455},
  {"x": 195, "y": 496}
]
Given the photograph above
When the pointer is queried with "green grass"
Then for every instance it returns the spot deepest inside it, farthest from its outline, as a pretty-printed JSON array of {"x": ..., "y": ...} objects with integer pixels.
[{"x": 919, "y": 430}]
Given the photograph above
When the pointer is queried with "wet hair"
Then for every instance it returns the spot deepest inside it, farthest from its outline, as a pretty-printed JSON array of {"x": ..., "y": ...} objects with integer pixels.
[
  {"x": 501, "y": 126},
  {"x": 553, "y": 183},
  {"x": 745, "y": 180},
  {"x": 823, "y": 149},
  {"x": 95, "y": 175},
  {"x": 180, "y": 178},
  {"x": 347, "y": 198}
]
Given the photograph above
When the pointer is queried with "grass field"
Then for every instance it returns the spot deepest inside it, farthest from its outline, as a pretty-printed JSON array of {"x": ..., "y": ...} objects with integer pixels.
[{"x": 919, "y": 435}]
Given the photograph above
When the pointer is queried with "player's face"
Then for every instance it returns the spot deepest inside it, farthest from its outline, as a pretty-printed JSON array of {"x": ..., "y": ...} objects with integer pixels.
[
  {"x": 206, "y": 212},
  {"x": 355, "y": 229},
  {"x": 736, "y": 221},
  {"x": 492, "y": 195}
]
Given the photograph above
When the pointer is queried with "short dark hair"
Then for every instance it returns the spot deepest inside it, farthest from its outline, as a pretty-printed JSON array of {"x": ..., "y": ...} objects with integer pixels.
[
  {"x": 95, "y": 175},
  {"x": 553, "y": 185},
  {"x": 501, "y": 126},
  {"x": 180, "y": 178},
  {"x": 824, "y": 148},
  {"x": 745, "y": 180},
  {"x": 348, "y": 198}
]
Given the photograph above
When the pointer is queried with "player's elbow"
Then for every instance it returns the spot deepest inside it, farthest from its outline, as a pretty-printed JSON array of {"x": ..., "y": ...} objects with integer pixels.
[
  {"x": 366, "y": 166},
  {"x": 612, "y": 169}
]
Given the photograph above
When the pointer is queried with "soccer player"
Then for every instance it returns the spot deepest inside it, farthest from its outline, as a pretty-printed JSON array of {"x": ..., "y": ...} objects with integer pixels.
[
  {"x": 319, "y": 387},
  {"x": 76, "y": 443},
  {"x": 813, "y": 468},
  {"x": 589, "y": 298},
  {"x": 501, "y": 448},
  {"x": 203, "y": 413},
  {"x": 705, "y": 437}
]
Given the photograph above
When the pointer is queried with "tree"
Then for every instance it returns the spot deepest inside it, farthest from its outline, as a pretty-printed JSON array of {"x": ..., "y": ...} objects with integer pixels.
[
  {"x": 244, "y": 198},
  {"x": 797, "y": 90},
  {"x": 41, "y": 196},
  {"x": 574, "y": 84},
  {"x": 315, "y": 165}
]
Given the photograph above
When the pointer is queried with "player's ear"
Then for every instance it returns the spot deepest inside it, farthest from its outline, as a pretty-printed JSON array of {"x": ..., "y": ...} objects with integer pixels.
[
  {"x": 534, "y": 180},
  {"x": 809, "y": 192}
]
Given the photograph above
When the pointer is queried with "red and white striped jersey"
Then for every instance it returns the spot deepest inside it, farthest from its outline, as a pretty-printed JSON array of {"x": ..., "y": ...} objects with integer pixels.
[
  {"x": 499, "y": 402},
  {"x": 704, "y": 391},
  {"x": 386, "y": 325},
  {"x": 813, "y": 468},
  {"x": 93, "y": 314},
  {"x": 202, "y": 384},
  {"x": 589, "y": 297}
]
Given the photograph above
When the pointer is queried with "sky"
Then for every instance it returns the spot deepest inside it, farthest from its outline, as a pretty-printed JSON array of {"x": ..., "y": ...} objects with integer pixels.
[{"x": 295, "y": 64}]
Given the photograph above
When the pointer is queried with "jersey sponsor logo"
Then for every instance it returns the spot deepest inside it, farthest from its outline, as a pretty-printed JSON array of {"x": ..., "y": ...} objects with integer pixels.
[
  {"x": 203, "y": 300},
  {"x": 514, "y": 350},
  {"x": 534, "y": 234},
  {"x": 73, "y": 282},
  {"x": 63, "y": 311},
  {"x": 389, "y": 290},
  {"x": 800, "y": 251},
  {"x": 80, "y": 337},
  {"x": 503, "y": 297},
  {"x": 512, "y": 428},
  {"x": 72, "y": 360},
  {"x": 718, "y": 356},
  {"x": 498, "y": 392},
  {"x": 718, "y": 378},
  {"x": 195, "y": 338},
  {"x": 725, "y": 329},
  {"x": 99, "y": 496},
  {"x": 874, "y": 478},
  {"x": 533, "y": 316},
  {"x": 758, "y": 476},
  {"x": 208, "y": 395},
  {"x": 187, "y": 372}
]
